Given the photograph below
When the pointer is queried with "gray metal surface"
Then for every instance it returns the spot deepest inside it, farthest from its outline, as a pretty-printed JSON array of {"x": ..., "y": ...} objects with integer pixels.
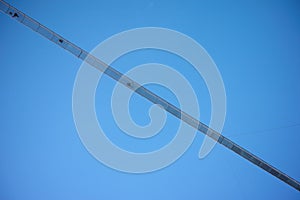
[{"x": 131, "y": 84}]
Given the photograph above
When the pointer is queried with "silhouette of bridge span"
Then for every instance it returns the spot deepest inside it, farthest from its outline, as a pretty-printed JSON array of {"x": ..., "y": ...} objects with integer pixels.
[{"x": 136, "y": 87}]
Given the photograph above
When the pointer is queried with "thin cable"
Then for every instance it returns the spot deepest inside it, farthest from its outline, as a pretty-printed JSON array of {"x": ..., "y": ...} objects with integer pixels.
[{"x": 266, "y": 130}]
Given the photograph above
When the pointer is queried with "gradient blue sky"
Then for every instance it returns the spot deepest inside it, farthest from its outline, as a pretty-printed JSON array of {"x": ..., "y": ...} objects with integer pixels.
[{"x": 255, "y": 45}]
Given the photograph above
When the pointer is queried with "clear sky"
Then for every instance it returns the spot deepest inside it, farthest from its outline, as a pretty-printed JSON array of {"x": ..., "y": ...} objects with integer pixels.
[{"x": 255, "y": 45}]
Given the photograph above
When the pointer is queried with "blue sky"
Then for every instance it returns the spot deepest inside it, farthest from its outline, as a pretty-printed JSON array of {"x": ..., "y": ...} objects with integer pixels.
[{"x": 255, "y": 45}]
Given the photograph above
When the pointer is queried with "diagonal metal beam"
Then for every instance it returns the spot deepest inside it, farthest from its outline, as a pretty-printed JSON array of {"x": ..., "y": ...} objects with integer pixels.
[{"x": 136, "y": 87}]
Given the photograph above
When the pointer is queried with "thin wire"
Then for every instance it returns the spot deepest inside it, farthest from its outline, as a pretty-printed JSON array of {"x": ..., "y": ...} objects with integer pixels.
[
  {"x": 131, "y": 84},
  {"x": 265, "y": 131}
]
